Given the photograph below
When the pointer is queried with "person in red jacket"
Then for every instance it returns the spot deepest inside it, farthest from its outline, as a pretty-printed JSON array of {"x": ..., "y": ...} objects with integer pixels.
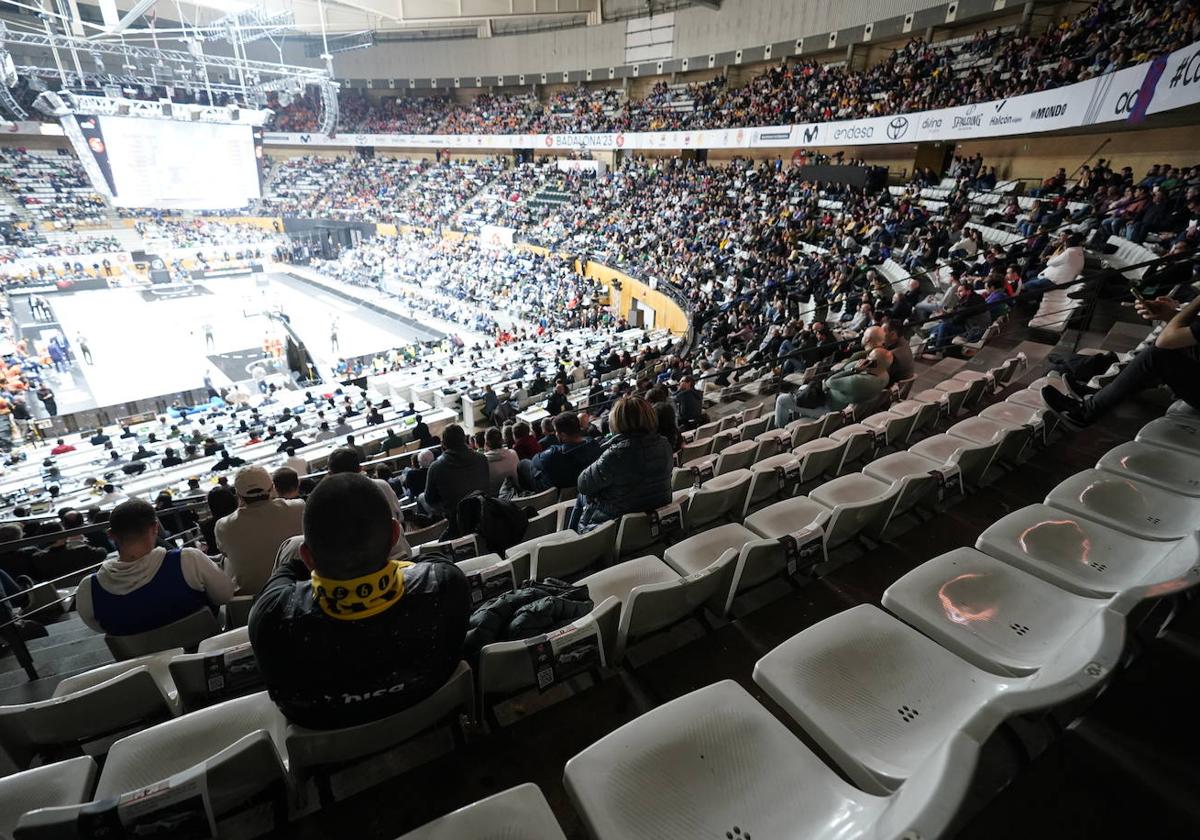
[{"x": 61, "y": 446}]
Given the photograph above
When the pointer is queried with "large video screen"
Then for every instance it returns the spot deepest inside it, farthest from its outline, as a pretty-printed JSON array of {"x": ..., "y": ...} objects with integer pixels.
[{"x": 173, "y": 164}]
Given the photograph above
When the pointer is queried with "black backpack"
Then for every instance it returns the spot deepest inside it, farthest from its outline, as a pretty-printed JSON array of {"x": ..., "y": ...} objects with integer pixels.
[{"x": 499, "y": 523}]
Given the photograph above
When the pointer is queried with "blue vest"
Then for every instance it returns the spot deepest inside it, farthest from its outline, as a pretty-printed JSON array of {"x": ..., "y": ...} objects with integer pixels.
[{"x": 164, "y": 598}]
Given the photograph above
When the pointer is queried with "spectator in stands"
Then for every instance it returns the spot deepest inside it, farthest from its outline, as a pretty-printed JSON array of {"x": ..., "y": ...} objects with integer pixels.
[
  {"x": 457, "y": 472},
  {"x": 392, "y": 441},
  {"x": 250, "y": 536},
  {"x": 286, "y": 482},
  {"x": 896, "y": 343},
  {"x": 413, "y": 478},
  {"x": 560, "y": 464},
  {"x": 147, "y": 586},
  {"x": 558, "y": 402},
  {"x": 1174, "y": 360},
  {"x": 221, "y": 501},
  {"x": 343, "y": 634},
  {"x": 348, "y": 459},
  {"x": 64, "y": 556},
  {"x": 858, "y": 384},
  {"x": 61, "y": 447},
  {"x": 524, "y": 442},
  {"x": 969, "y": 319},
  {"x": 1062, "y": 267},
  {"x": 689, "y": 404},
  {"x": 502, "y": 461},
  {"x": 633, "y": 472},
  {"x": 422, "y": 435},
  {"x": 785, "y": 403}
]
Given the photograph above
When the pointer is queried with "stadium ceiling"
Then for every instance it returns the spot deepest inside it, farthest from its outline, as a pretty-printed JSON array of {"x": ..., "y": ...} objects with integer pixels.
[{"x": 461, "y": 18}]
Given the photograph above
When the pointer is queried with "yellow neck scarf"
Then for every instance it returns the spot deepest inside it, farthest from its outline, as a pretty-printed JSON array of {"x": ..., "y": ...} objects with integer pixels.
[{"x": 360, "y": 597}]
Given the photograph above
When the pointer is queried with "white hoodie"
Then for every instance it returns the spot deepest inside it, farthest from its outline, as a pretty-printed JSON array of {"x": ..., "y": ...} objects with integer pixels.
[{"x": 122, "y": 577}]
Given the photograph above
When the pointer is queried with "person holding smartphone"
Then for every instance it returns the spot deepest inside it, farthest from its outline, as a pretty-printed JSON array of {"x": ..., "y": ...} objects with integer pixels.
[{"x": 1173, "y": 360}]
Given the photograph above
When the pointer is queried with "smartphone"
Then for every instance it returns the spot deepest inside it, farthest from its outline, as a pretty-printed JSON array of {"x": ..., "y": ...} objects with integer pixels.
[{"x": 1138, "y": 294}]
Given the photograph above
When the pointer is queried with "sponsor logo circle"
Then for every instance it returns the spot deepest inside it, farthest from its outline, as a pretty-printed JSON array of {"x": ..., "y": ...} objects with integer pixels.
[{"x": 897, "y": 128}]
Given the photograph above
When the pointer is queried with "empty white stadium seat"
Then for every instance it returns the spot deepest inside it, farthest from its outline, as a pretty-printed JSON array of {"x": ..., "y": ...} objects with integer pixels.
[
  {"x": 519, "y": 812},
  {"x": 1134, "y": 507}
]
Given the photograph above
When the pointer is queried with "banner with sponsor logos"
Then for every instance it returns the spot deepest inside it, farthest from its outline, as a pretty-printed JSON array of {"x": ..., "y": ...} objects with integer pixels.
[
  {"x": 1104, "y": 99},
  {"x": 1180, "y": 82}
]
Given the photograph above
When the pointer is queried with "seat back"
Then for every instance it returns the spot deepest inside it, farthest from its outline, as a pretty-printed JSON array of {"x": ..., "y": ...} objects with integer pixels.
[
  {"x": 215, "y": 675},
  {"x": 723, "y": 439},
  {"x": 320, "y": 751},
  {"x": 656, "y": 606},
  {"x": 707, "y": 431},
  {"x": 118, "y": 704},
  {"x": 695, "y": 451},
  {"x": 752, "y": 428},
  {"x": 804, "y": 430},
  {"x": 903, "y": 387},
  {"x": 831, "y": 422},
  {"x": 538, "y": 501},
  {"x": 506, "y": 668},
  {"x": 546, "y": 522},
  {"x": 759, "y": 561},
  {"x": 817, "y": 462},
  {"x": 56, "y": 785},
  {"x": 772, "y": 443},
  {"x": 568, "y": 558},
  {"x": 974, "y": 392},
  {"x": 162, "y": 751},
  {"x": 244, "y": 771},
  {"x": 717, "y": 499},
  {"x": 237, "y": 611},
  {"x": 736, "y": 457},
  {"x": 637, "y": 536},
  {"x": 426, "y": 534},
  {"x": 860, "y": 442},
  {"x": 186, "y": 633}
]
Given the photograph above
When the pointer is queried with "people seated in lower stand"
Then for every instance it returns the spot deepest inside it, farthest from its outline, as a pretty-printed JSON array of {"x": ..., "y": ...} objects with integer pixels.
[
  {"x": 560, "y": 464},
  {"x": 859, "y": 382},
  {"x": 147, "y": 586},
  {"x": 343, "y": 634},
  {"x": 250, "y": 536}
]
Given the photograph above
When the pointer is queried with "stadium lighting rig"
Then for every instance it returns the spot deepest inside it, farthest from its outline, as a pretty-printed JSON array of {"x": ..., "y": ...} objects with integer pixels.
[{"x": 86, "y": 66}]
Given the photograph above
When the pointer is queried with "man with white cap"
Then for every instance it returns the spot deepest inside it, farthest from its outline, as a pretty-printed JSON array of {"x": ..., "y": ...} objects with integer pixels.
[{"x": 250, "y": 536}]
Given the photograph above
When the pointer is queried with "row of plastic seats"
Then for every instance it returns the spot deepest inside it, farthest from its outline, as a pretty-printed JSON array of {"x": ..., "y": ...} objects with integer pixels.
[
  {"x": 89, "y": 708},
  {"x": 902, "y": 707}
]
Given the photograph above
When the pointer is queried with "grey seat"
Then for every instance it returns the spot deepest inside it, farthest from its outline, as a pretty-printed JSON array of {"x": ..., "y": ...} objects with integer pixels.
[
  {"x": 67, "y": 782},
  {"x": 719, "y": 498},
  {"x": 506, "y": 668},
  {"x": 237, "y": 612},
  {"x": 235, "y": 745},
  {"x": 1178, "y": 431},
  {"x": 736, "y": 456},
  {"x": 652, "y": 607},
  {"x": 636, "y": 536},
  {"x": 804, "y": 430},
  {"x": 1134, "y": 507},
  {"x": 1013, "y": 440},
  {"x": 564, "y": 559},
  {"x": 89, "y": 707},
  {"x": 787, "y": 516},
  {"x": 519, "y": 812},
  {"x": 1084, "y": 556},
  {"x": 546, "y": 522},
  {"x": 319, "y": 753},
  {"x": 1170, "y": 469},
  {"x": 819, "y": 457},
  {"x": 186, "y": 633},
  {"x": 910, "y": 474},
  {"x": 770, "y": 479},
  {"x": 970, "y": 457},
  {"x": 224, "y": 668},
  {"x": 426, "y": 534},
  {"x": 860, "y": 443},
  {"x": 895, "y": 427},
  {"x": 699, "y": 551},
  {"x": 858, "y": 504}
]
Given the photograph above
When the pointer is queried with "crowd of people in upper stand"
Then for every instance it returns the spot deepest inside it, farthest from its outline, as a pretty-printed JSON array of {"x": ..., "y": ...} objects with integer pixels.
[
  {"x": 51, "y": 187},
  {"x": 375, "y": 189},
  {"x": 1107, "y": 36}
]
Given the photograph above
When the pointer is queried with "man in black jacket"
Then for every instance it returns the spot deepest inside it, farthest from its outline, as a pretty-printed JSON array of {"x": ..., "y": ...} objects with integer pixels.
[
  {"x": 689, "y": 404},
  {"x": 455, "y": 474},
  {"x": 342, "y": 634}
]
